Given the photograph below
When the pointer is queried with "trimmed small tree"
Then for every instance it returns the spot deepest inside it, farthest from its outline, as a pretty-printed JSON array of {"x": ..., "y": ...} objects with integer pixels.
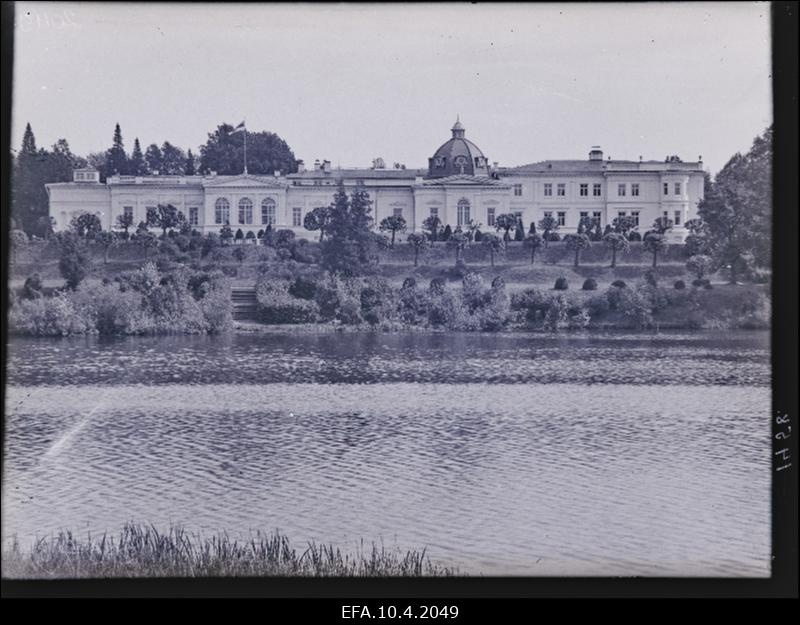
[
  {"x": 576, "y": 243},
  {"x": 493, "y": 243},
  {"x": 239, "y": 235},
  {"x": 519, "y": 231},
  {"x": 250, "y": 236},
  {"x": 125, "y": 221},
  {"x": 86, "y": 225},
  {"x": 547, "y": 225},
  {"x": 166, "y": 217},
  {"x": 226, "y": 234},
  {"x": 662, "y": 225},
  {"x": 431, "y": 226},
  {"x": 393, "y": 224},
  {"x": 623, "y": 225},
  {"x": 533, "y": 242},
  {"x": 419, "y": 242},
  {"x": 458, "y": 242},
  {"x": 616, "y": 242},
  {"x": 107, "y": 240},
  {"x": 505, "y": 222},
  {"x": 655, "y": 244},
  {"x": 447, "y": 233},
  {"x": 318, "y": 219}
]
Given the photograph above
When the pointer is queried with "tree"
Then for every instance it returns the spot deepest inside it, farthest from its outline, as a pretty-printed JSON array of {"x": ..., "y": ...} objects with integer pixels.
[
  {"x": 493, "y": 243},
  {"x": 107, "y": 240},
  {"x": 250, "y": 236},
  {"x": 431, "y": 226},
  {"x": 419, "y": 242},
  {"x": 623, "y": 225},
  {"x": 173, "y": 160},
  {"x": 125, "y": 221},
  {"x": 585, "y": 224},
  {"x": 318, "y": 219},
  {"x": 166, "y": 217},
  {"x": 145, "y": 238},
  {"x": 737, "y": 210},
  {"x": 519, "y": 231},
  {"x": 699, "y": 265},
  {"x": 697, "y": 242},
  {"x": 577, "y": 243},
  {"x": 75, "y": 259},
  {"x": 547, "y": 225},
  {"x": 116, "y": 159},
  {"x": 223, "y": 152},
  {"x": 19, "y": 241},
  {"x": 662, "y": 225},
  {"x": 532, "y": 229},
  {"x": 137, "y": 165},
  {"x": 505, "y": 222},
  {"x": 239, "y": 234},
  {"x": 226, "y": 234},
  {"x": 393, "y": 224},
  {"x": 86, "y": 225},
  {"x": 655, "y": 244},
  {"x": 458, "y": 241},
  {"x": 154, "y": 159},
  {"x": 533, "y": 242},
  {"x": 616, "y": 242},
  {"x": 239, "y": 254},
  {"x": 351, "y": 246},
  {"x": 190, "y": 169}
]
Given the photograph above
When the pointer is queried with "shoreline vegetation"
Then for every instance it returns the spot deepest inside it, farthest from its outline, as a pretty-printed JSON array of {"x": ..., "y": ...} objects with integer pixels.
[
  {"x": 185, "y": 294},
  {"x": 145, "y": 551}
]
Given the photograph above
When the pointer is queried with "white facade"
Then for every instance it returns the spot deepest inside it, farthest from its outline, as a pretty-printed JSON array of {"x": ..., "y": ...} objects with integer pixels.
[{"x": 566, "y": 190}]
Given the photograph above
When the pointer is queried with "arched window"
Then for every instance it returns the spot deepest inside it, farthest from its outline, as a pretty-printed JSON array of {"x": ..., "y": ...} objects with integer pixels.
[
  {"x": 222, "y": 211},
  {"x": 245, "y": 211},
  {"x": 268, "y": 211},
  {"x": 463, "y": 212}
]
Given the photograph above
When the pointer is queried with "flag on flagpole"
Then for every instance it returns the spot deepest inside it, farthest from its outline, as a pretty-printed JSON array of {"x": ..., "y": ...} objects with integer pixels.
[{"x": 239, "y": 127}]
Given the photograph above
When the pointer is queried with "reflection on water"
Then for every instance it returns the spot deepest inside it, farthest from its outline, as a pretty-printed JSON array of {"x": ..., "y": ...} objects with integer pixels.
[{"x": 506, "y": 455}]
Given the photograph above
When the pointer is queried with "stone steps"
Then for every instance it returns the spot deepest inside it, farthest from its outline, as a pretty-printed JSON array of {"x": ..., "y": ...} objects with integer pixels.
[{"x": 245, "y": 305}]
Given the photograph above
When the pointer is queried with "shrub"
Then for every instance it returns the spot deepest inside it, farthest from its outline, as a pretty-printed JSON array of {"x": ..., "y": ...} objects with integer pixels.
[
  {"x": 634, "y": 236},
  {"x": 305, "y": 252},
  {"x": 532, "y": 302},
  {"x": 378, "y": 301},
  {"x": 32, "y": 289},
  {"x": 590, "y": 284},
  {"x": 680, "y": 285},
  {"x": 701, "y": 283},
  {"x": 412, "y": 303},
  {"x": 75, "y": 260},
  {"x": 597, "y": 305},
  {"x": 651, "y": 277},
  {"x": 561, "y": 284},
  {"x": 556, "y": 317},
  {"x": 277, "y": 305},
  {"x": 437, "y": 286},
  {"x": 409, "y": 283},
  {"x": 303, "y": 287},
  {"x": 634, "y": 304},
  {"x": 339, "y": 299},
  {"x": 458, "y": 272},
  {"x": 284, "y": 238},
  {"x": 620, "y": 284}
]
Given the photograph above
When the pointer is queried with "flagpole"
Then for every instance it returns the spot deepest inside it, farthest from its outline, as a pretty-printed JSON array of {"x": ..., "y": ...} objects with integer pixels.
[{"x": 245, "y": 149}]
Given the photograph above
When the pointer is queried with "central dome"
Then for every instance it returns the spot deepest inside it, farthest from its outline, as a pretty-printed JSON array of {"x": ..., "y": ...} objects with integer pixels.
[{"x": 458, "y": 156}]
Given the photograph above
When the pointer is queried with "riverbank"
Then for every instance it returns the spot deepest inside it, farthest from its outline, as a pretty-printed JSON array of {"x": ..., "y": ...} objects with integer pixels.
[{"x": 145, "y": 551}]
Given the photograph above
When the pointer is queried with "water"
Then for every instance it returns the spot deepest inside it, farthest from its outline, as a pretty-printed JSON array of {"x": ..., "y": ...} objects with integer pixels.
[{"x": 615, "y": 454}]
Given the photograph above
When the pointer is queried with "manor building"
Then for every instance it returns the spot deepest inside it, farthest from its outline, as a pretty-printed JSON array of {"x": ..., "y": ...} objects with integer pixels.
[{"x": 460, "y": 184}]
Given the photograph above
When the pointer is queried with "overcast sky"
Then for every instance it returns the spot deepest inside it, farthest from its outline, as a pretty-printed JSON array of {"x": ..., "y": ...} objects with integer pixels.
[{"x": 352, "y": 82}]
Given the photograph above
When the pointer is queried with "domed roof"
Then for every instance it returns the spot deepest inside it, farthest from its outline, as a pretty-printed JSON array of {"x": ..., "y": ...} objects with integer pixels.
[{"x": 458, "y": 156}]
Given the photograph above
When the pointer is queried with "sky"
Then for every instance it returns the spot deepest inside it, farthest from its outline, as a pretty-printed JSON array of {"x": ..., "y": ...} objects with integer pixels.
[{"x": 349, "y": 83}]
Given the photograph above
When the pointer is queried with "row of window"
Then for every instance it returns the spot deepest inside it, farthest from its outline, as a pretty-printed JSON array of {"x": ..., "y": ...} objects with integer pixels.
[
  {"x": 597, "y": 189},
  {"x": 222, "y": 211}
]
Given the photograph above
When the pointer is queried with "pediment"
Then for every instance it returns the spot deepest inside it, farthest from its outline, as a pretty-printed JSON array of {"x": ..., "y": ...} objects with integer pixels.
[{"x": 243, "y": 181}]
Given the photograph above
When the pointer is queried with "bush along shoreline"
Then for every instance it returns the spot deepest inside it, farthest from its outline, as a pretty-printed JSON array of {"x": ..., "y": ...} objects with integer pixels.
[
  {"x": 148, "y": 301},
  {"x": 292, "y": 294},
  {"x": 145, "y": 551}
]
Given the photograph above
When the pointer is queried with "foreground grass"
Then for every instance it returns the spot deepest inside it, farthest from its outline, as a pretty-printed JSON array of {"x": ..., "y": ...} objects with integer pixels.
[{"x": 144, "y": 551}]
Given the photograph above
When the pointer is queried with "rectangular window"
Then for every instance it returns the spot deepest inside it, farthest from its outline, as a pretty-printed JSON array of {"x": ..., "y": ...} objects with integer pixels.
[
  {"x": 677, "y": 218},
  {"x": 597, "y": 218},
  {"x": 666, "y": 188},
  {"x": 635, "y": 189},
  {"x": 596, "y": 190},
  {"x": 621, "y": 213},
  {"x": 548, "y": 213},
  {"x": 562, "y": 218},
  {"x": 398, "y": 212},
  {"x": 666, "y": 214},
  {"x": 297, "y": 216},
  {"x": 561, "y": 189},
  {"x": 548, "y": 189},
  {"x": 635, "y": 217},
  {"x": 584, "y": 190},
  {"x": 490, "y": 216},
  {"x": 677, "y": 188},
  {"x": 518, "y": 190},
  {"x": 621, "y": 189},
  {"x": 78, "y": 176},
  {"x": 194, "y": 216},
  {"x": 584, "y": 214},
  {"x": 128, "y": 212}
]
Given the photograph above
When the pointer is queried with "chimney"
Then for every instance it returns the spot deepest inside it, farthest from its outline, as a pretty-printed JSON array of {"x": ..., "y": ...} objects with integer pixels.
[
  {"x": 326, "y": 166},
  {"x": 317, "y": 166},
  {"x": 301, "y": 166},
  {"x": 596, "y": 153}
]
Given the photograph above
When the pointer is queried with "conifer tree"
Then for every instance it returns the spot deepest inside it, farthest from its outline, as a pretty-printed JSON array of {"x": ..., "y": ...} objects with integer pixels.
[
  {"x": 137, "y": 166},
  {"x": 116, "y": 159}
]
